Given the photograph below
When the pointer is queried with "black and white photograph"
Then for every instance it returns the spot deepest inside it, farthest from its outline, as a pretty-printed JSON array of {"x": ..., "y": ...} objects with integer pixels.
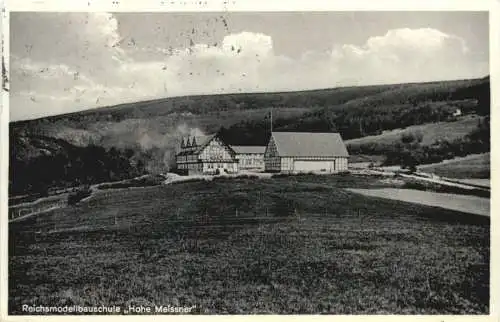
[{"x": 248, "y": 162}]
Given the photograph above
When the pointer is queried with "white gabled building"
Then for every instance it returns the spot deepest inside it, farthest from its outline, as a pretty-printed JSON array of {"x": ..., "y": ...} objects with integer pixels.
[
  {"x": 294, "y": 152},
  {"x": 206, "y": 155},
  {"x": 250, "y": 158}
]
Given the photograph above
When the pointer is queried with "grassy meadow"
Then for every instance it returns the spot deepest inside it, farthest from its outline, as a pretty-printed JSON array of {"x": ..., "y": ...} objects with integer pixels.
[
  {"x": 431, "y": 132},
  {"x": 290, "y": 244},
  {"x": 472, "y": 166}
]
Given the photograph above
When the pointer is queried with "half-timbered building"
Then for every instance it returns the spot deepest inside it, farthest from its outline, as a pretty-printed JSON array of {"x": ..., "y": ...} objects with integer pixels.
[
  {"x": 294, "y": 152},
  {"x": 205, "y": 155},
  {"x": 250, "y": 158}
]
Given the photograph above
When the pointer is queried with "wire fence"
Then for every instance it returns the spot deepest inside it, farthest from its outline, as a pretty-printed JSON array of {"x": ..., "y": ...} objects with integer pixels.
[{"x": 20, "y": 212}]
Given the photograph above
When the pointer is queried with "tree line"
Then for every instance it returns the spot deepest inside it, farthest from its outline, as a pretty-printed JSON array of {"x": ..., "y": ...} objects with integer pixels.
[
  {"x": 353, "y": 112},
  {"x": 71, "y": 166},
  {"x": 351, "y": 122}
]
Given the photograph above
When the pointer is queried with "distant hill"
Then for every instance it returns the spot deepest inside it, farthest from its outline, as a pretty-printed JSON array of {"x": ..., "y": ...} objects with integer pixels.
[
  {"x": 350, "y": 96},
  {"x": 150, "y": 130}
]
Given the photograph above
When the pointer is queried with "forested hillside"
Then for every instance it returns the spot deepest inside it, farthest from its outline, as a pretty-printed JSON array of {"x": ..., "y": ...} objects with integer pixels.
[{"x": 126, "y": 140}]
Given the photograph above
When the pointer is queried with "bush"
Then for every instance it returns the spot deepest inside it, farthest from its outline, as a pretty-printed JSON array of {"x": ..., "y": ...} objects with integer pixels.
[
  {"x": 242, "y": 176},
  {"x": 142, "y": 182},
  {"x": 76, "y": 196},
  {"x": 194, "y": 179}
]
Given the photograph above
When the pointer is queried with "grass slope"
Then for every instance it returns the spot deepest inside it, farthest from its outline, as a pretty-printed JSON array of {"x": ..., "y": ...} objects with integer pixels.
[
  {"x": 296, "y": 244},
  {"x": 431, "y": 132},
  {"x": 473, "y": 166},
  {"x": 158, "y": 118}
]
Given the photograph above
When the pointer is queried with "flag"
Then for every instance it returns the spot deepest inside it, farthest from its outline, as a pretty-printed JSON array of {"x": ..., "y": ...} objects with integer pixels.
[{"x": 269, "y": 115}]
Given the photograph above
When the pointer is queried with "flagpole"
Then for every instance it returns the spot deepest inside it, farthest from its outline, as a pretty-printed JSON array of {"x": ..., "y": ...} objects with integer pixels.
[{"x": 271, "y": 119}]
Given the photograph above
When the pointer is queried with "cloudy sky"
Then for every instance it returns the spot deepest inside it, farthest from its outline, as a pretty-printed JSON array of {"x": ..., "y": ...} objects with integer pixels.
[{"x": 65, "y": 62}]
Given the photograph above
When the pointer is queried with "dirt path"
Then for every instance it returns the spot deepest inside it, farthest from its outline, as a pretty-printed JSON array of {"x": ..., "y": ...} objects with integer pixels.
[{"x": 463, "y": 203}]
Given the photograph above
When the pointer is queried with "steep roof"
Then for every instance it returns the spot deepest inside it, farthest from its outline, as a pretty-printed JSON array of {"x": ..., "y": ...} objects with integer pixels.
[
  {"x": 200, "y": 141},
  {"x": 248, "y": 149},
  {"x": 305, "y": 144}
]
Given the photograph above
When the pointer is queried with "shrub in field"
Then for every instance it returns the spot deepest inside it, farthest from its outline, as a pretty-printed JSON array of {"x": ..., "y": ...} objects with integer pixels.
[
  {"x": 248, "y": 176},
  {"x": 280, "y": 175},
  {"x": 141, "y": 182},
  {"x": 228, "y": 178},
  {"x": 76, "y": 196},
  {"x": 293, "y": 174},
  {"x": 195, "y": 179}
]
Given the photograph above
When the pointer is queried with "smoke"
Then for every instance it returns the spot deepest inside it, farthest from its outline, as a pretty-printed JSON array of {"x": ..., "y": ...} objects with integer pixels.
[
  {"x": 162, "y": 146},
  {"x": 146, "y": 142},
  {"x": 154, "y": 141},
  {"x": 168, "y": 160},
  {"x": 185, "y": 130},
  {"x": 149, "y": 138}
]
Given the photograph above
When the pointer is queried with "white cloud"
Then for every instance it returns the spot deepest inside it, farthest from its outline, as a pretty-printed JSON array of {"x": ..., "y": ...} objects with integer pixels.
[
  {"x": 102, "y": 29},
  {"x": 25, "y": 67},
  {"x": 420, "y": 40},
  {"x": 406, "y": 55},
  {"x": 244, "y": 62},
  {"x": 248, "y": 43}
]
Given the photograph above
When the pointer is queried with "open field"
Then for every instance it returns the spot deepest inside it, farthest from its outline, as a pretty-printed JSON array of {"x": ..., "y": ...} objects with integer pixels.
[
  {"x": 472, "y": 166},
  {"x": 298, "y": 244},
  {"x": 431, "y": 132}
]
